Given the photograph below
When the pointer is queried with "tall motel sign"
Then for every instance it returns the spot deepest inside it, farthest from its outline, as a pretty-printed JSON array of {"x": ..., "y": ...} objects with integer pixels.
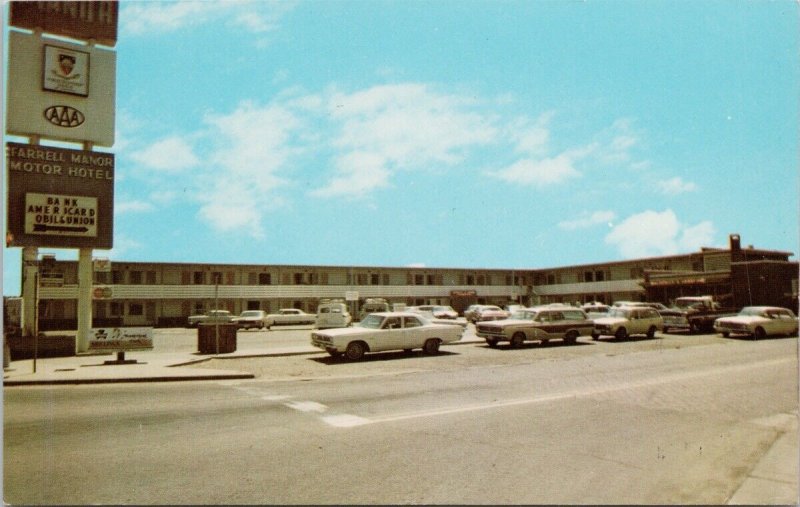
[{"x": 61, "y": 86}]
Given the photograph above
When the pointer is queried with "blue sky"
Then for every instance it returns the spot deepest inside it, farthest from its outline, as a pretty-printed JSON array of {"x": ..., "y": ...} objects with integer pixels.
[{"x": 451, "y": 133}]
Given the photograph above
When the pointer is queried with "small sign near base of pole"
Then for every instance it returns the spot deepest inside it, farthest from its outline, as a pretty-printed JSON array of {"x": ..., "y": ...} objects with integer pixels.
[{"x": 121, "y": 340}]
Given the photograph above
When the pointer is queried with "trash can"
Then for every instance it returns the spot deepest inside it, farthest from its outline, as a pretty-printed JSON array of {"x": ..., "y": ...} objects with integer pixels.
[{"x": 207, "y": 338}]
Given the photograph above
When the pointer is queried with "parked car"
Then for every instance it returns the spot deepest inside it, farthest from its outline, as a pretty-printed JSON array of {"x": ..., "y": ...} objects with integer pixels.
[
  {"x": 543, "y": 323},
  {"x": 595, "y": 310},
  {"x": 333, "y": 314},
  {"x": 372, "y": 305},
  {"x": 624, "y": 321},
  {"x": 427, "y": 312},
  {"x": 511, "y": 308},
  {"x": 210, "y": 317},
  {"x": 386, "y": 331},
  {"x": 423, "y": 310},
  {"x": 470, "y": 312},
  {"x": 444, "y": 312},
  {"x": 490, "y": 312},
  {"x": 661, "y": 308},
  {"x": 758, "y": 322},
  {"x": 289, "y": 317},
  {"x": 251, "y": 319},
  {"x": 696, "y": 313}
]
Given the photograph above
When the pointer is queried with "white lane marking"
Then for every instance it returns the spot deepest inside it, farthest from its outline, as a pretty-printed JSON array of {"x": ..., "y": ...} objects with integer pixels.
[
  {"x": 275, "y": 397},
  {"x": 575, "y": 393},
  {"x": 307, "y": 406},
  {"x": 345, "y": 420}
]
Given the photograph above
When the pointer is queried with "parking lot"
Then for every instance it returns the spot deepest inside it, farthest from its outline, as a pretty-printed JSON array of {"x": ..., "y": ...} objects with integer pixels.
[{"x": 471, "y": 352}]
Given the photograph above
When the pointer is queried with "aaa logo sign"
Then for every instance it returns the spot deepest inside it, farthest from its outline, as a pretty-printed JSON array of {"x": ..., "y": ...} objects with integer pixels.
[{"x": 60, "y": 215}]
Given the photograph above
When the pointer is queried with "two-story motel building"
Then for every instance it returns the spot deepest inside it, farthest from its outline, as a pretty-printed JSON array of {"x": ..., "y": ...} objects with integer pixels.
[{"x": 165, "y": 294}]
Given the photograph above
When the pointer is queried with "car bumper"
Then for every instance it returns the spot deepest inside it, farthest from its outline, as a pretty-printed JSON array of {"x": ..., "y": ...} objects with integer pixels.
[{"x": 676, "y": 322}]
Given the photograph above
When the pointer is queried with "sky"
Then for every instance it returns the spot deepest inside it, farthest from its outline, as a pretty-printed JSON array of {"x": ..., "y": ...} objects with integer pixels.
[{"x": 469, "y": 133}]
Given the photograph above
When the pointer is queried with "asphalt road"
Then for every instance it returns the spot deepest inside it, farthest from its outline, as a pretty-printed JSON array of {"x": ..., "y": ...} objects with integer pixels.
[{"x": 679, "y": 419}]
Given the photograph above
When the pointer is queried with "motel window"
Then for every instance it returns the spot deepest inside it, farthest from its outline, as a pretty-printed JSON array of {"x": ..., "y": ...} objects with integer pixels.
[
  {"x": 198, "y": 278},
  {"x": 375, "y": 279},
  {"x": 470, "y": 280},
  {"x": 135, "y": 278},
  {"x": 599, "y": 276},
  {"x": 150, "y": 277},
  {"x": 419, "y": 279},
  {"x": 588, "y": 276},
  {"x": 264, "y": 279},
  {"x": 118, "y": 277},
  {"x": 135, "y": 309}
]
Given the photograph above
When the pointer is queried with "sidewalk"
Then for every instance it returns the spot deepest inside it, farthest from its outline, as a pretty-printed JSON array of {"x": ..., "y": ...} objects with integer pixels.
[
  {"x": 151, "y": 365},
  {"x": 774, "y": 480}
]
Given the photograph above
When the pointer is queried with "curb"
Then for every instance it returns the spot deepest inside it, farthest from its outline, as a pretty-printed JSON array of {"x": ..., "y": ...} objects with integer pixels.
[
  {"x": 120, "y": 380},
  {"x": 10, "y": 382}
]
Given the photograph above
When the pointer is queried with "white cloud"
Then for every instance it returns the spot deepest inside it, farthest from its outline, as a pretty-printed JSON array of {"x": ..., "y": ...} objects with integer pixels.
[
  {"x": 173, "y": 154},
  {"x": 694, "y": 237},
  {"x": 121, "y": 207},
  {"x": 651, "y": 233},
  {"x": 123, "y": 245},
  {"x": 539, "y": 173},
  {"x": 230, "y": 209},
  {"x": 250, "y": 151},
  {"x": 588, "y": 220},
  {"x": 676, "y": 185},
  {"x": 357, "y": 175},
  {"x": 531, "y": 139},
  {"x": 616, "y": 144},
  {"x": 612, "y": 146},
  {"x": 402, "y": 127},
  {"x": 255, "y": 16}
]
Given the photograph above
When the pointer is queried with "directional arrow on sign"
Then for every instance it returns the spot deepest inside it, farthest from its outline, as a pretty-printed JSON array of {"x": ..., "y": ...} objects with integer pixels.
[{"x": 59, "y": 228}]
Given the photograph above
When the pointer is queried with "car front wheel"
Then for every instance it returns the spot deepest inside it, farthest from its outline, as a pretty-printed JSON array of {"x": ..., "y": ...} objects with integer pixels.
[
  {"x": 355, "y": 350},
  {"x": 517, "y": 340},
  {"x": 621, "y": 333},
  {"x": 431, "y": 346},
  {"x": 759, "y": 333},
  {"x": 651, "y": 333}
]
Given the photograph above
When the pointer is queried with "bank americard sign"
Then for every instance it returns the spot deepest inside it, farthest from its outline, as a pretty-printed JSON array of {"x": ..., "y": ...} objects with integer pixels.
[{"x": 59, "y": 198}]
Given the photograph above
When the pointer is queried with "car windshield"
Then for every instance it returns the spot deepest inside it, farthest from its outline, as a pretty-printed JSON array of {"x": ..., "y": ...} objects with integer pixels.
[
  {"x": 371, "y": 321},
  {"x": 752, "y": 311},
  {"x": 254, "y": 313},
  {"x": 623, "y": 313},
  {"x": 523, "y": 315},
  {"x": 492, "y": 308},
  {"x": 443, "y": 309},
  {"x": 687, "y": 303}
]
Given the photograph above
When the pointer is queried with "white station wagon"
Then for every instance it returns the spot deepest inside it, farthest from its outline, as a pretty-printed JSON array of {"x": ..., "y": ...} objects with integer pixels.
[
  {"x": 758, "y": 322},
  {"x": 624, "y": 321},
  {"x": 386, "y": 331}
]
